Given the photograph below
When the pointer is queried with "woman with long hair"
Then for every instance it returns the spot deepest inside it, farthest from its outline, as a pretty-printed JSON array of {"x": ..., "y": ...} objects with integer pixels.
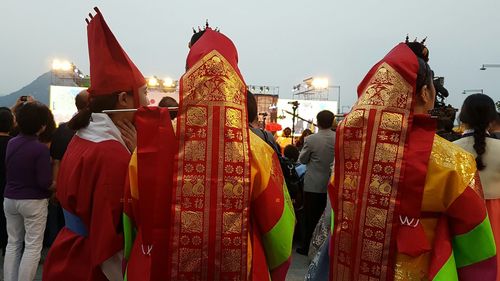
[
  {"x": 478, "y": 114},
  {"x": 300, "y": 142}
]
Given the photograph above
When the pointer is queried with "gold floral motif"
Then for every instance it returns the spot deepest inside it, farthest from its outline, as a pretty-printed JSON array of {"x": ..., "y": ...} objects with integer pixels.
[
  {"x": 375, "y": 217},
  {"x": 392, "y": 121},
  {"x": 352, "y": 150},
  {"x": 191, "y": 221},
  {"x": 387, "y": 88},
  {"x": 355, "y": 119},
  {"x": 196, "y": 116},
  {"x": 386, "y": 152},
  {"x": 231, "y": 222},
  {"x": 189, "y": 260},
  {"x": 194, "y": 151},
  {"x": 233, "y": 152},
  {"x": 231, "y": 260},
  {"x": 200, "y": 168},
  {"x": 196, "y": 240},
  {"x": 233, "y": 118},
  {"x": 372, "y": 251}
]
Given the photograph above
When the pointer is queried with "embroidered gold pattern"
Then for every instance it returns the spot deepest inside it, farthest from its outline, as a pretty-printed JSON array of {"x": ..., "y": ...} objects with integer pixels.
[
  {"x": 352, "y": 150},
  {"x": 213, "y": 101},
  {"x": 386, "y": 100},
  {"x": 231, "y": 260},
  {"x": 194, "y": 150},
  {"x": 372, "y": 251},
  {"x": 386, "y": 88},
  {"x": 386, "y": 152},
  {"x": 376, "y": 217},
  {"x": 355, "y": 119},
  {"x": 391, "y": 121},
  {"x": 233, "y": 152},
  {"x": 231, "y": 223},
  {"x": 191, "y": 221},
  {"x": 453, "y": 159},
  {"x": 196, "y": 116},
  {"x": 190, "y": 260},
  {"x": 233, "y": 118}
]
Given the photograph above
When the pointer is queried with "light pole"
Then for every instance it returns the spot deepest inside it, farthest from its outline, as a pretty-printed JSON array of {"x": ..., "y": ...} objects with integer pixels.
[
  {"x": 474, "y": 91},
  {"x": 338, "y": 99},
  {"x": 489, "y": 65}
]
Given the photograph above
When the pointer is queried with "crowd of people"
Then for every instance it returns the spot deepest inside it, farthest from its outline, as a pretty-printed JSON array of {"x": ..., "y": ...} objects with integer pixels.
[{"x": 196, "y": 190}]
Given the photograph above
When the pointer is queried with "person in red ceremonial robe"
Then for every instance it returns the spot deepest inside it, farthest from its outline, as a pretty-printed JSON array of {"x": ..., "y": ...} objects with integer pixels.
[
  {"x": 209, "y": 202},
  {"x": 408, "y": 205},
  {"x": 92, "y": 174}
]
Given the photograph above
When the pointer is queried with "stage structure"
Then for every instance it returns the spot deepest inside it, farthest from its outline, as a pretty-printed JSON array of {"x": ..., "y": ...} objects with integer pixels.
[
  {"x": 305, "y": 113},
  {"x": 317, "y": 88},
  {"x": 267, "y": 99},
  {"x": 65, "y": 73}
]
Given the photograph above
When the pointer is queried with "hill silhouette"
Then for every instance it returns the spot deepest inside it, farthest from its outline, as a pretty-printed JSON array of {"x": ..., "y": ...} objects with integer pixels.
[{"x": 39, "y": 89}]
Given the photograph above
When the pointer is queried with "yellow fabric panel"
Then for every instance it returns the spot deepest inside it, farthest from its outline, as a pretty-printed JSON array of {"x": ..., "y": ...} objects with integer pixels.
[
  {"x": 261, "y": 162},
  {"x": 132, "y": 175},
  {"x": 450, "y": 170}
]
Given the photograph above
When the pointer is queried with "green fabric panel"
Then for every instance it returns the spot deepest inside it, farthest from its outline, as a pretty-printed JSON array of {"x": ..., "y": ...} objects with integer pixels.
[
  {"x": 128, "y": 235},
  {"x": 448, "y": 272},
  {"x": 475, "y": 246},
  {"x": 278, "y": 241},
  {"x": 332, "y": 219}
]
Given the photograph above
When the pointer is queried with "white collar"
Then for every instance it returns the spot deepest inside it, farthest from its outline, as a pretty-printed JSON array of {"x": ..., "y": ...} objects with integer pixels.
[{"x": 101, "y": 128}]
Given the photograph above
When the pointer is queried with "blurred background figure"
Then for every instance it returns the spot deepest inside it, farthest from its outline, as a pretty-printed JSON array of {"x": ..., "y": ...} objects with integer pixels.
[
  {"x": 495, "y": 127},
  {"x": 29, "y": 177},
  {"x": 300, "y": 142},
  {"x": 285, "y": 139},
  {"x": 6, "y": 124},
  {"x": 254, "y": 124},
  {"x": 317, "y": 154},
  {"x": 169, "y": 102},
  {"x": 478, "y": 114}
]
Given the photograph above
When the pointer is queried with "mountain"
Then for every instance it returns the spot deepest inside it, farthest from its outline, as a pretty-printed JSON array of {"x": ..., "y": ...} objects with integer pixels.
[{"x": 39, "y": 89}]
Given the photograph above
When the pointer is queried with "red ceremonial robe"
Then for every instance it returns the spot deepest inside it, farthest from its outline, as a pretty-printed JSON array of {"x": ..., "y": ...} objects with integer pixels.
[{"x": 90, "y": 186}]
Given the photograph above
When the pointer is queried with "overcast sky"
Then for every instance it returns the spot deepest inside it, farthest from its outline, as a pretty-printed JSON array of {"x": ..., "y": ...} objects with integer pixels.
[{"x": 279, "y": 42}]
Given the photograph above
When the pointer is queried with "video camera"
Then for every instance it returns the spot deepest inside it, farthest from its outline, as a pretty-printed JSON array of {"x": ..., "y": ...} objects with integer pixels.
[{"x": 441, "y": 91}]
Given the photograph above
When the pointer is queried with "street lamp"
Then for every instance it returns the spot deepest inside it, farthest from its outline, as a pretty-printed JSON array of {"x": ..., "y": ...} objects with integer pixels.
[
  {"x": 489, "y": 65},
  {"x": 474, "y": 91}
]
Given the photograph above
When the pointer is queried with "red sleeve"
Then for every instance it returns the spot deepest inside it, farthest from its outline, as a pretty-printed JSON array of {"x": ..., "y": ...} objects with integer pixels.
[{"x": 106, "y": 229}]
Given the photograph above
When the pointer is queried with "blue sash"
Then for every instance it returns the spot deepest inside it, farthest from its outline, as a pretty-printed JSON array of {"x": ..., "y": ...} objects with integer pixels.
[{"x": 74, "y": 223}]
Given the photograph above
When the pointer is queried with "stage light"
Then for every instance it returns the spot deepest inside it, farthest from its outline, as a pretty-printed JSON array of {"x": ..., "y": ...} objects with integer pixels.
[
  {"x": 153, "y": 82},
  {"x": 168, "y": 82},
  {"x": 61, "y": 65},
  {"x": 320, "y": 83}
]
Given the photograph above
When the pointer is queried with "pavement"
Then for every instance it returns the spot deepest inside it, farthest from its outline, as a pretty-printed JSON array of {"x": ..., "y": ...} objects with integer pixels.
[{"x": 296, "y": 272}]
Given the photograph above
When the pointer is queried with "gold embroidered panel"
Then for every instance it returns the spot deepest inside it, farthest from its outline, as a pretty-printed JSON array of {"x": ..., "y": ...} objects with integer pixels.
[
  {"x": 370, "y": 160},
  {"x": 213, "y": 174}
]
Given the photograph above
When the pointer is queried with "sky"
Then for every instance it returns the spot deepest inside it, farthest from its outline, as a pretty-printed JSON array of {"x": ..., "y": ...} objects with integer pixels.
[{"x": 279, "y": 42}]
